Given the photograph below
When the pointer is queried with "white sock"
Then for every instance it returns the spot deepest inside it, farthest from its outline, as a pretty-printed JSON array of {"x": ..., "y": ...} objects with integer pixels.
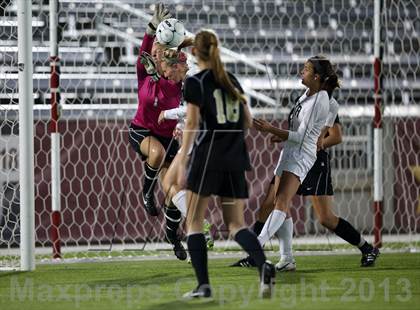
[
  {"x": 285, "y": 236},
  {"x": 180, "y": 201},
  {"x": 272, "y": 224}
]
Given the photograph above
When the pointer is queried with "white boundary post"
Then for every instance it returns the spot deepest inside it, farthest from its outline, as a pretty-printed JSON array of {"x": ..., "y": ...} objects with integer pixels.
[
  {"x": 26, "y": 136},
  {"x": 55, "y": 135}
]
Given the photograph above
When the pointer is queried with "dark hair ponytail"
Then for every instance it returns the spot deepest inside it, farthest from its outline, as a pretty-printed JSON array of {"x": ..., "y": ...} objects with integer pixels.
[
  {"x": 207, "y": 47},
  {"x": 327, "y": 72},
  {"x": 330, "y": 83}
]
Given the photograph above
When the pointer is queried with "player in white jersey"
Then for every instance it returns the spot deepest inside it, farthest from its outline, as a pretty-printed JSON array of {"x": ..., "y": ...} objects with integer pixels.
[
  {"x": 268, "y": 203},
  {"x": 306, "y": 121},
  {"x": 319, "y": 188}
]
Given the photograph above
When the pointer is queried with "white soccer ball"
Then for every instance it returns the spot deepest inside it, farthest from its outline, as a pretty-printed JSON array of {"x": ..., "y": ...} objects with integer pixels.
[{"x": 170, "y": 32}]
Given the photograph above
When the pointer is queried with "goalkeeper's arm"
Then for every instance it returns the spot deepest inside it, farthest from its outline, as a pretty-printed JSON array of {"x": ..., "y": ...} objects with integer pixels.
[{"x": 175, "y": 114}]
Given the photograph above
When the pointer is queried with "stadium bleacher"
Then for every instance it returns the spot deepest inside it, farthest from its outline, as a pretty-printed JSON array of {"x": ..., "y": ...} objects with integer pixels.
[{"x": 281, "y": 34}]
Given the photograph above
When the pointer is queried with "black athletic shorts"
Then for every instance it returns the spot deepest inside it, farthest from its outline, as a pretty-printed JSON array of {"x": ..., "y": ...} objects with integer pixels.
[
  {"x": 224, "y": 184},
  {"x": 318, "y": 180},
  {"x": 136, "y": 134}
]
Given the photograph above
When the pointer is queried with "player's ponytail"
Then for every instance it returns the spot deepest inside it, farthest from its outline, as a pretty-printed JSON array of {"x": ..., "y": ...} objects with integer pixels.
[
  {"x": 188, "y": 41},
  {"x": 330, "y": 83},
  {"x": 327, "y": 72},
  {"x": 207, "y": 46}
]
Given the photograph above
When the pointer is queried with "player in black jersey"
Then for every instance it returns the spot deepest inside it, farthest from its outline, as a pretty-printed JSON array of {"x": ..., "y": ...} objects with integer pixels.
[{"x": 217, "y": 115}]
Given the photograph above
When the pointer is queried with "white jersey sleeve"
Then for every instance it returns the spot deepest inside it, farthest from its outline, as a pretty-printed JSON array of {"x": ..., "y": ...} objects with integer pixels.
[
  {"x": 332, "y": 113},
  {"x": 176, "y": 114},
  {"x": 318, "y": 111}
]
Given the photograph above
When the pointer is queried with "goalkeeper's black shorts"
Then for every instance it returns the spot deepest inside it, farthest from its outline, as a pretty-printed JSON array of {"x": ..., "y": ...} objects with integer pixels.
[{"x": 136, "y": 135}]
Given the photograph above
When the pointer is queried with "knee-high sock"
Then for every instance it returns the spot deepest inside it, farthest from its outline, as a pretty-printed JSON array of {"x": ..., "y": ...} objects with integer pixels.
[
  {"x": 285, "y": 235},
  {"x": 198, "y": 253},
  {"x": 258, "y": 226},
  {"x": 249, "y": 242},
  {"x": 150, "y": 175},
  {"x": 180, "y": 201},
  {"x": 347, "y": 232},
  {"x": 173, "y": 219},
  {"x": 273, "y": 223}
]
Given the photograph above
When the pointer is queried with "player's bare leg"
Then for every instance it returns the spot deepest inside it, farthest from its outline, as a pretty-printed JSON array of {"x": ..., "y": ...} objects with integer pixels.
[
  {"x": 175, "y": 198},
  {"x": 284, "y": 234},
  {"x": 173, "y": 215},
  {"x": 262, "y": 215},
  {"x": 323, "y": 207},
  {"x": 196, "y": 208},
  {"x": 287, "y": 188},
  {"x": 234, "y": 219}
]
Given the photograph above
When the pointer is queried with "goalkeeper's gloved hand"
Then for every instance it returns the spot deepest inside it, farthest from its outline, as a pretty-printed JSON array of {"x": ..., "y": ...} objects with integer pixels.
[
  {"x": 149, "y": 65},
  {"x": 161, "y": 13}
]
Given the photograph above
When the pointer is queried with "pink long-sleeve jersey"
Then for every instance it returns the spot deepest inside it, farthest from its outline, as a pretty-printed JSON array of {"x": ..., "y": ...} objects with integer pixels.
[{"x": 155, "y": 97}]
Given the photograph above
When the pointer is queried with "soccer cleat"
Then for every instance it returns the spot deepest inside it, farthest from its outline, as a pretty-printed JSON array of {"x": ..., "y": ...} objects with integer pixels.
[
  {"x": 149, "y": 204},
  {"x": 368, "y": 259},
  {"x": 286, "y": 265},
  {"x": 207, "y": 235},
  {"x": 245, "y": 262},
  {"x": 267, "y": 281},
  {"x": 179, "y": 250},
  {"x": 202, "y": 292}
]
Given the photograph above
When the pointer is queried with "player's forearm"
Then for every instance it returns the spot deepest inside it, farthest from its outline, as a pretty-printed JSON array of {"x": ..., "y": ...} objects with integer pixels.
[
  {"x": 147, "y": 43},
  {"x": 335, "y": 137},
  {"x": 324, "y": 131},
  {"x": 247, "y": 117},
  {"x": 146, "y": 46},
  {"x": 281, "y": 133},
  {"x": 331, "y": 141},
  {"x": 188, "y": 137},
  {"x": 175, "y": 114}
]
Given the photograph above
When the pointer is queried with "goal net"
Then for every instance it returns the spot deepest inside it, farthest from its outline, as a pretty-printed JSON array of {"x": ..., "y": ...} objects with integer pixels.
[{"x": 265, "y": 44}]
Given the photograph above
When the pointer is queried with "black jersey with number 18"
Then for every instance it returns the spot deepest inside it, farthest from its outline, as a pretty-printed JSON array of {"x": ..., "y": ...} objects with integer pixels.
[{"x": 220, "y": 143}]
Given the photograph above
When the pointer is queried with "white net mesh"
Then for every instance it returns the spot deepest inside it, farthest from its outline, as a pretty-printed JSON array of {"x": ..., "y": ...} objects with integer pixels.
[
  {"x": 9, "y": 141},
  {"x": 102, "y": 177}
]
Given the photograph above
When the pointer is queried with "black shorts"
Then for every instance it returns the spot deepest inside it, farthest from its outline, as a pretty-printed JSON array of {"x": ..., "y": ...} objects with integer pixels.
[
  {"x": 230, "y": 184},
  {"x": 136, "y": 134},
  {"x": 318, "y": 180}
]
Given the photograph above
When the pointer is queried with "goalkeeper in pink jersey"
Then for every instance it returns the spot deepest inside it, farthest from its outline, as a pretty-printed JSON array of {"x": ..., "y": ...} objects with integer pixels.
[{"x": 151, "y": 140}]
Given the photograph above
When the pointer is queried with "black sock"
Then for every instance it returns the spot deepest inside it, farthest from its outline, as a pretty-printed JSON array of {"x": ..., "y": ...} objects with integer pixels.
[
  {"x": 366, "y": 248},
  {"x": 347, "y": 232},
  {"x": 249, "y": 242},
  {"x": 173, "y": 219},
  {"x": 198, "y": 253},
  {"x": 150, "y": 174},
  {"x": 258, "y": 226}
]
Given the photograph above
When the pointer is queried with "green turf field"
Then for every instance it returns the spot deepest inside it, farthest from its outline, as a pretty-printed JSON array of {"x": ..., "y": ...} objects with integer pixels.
[{"x": 321, "y": 282}]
